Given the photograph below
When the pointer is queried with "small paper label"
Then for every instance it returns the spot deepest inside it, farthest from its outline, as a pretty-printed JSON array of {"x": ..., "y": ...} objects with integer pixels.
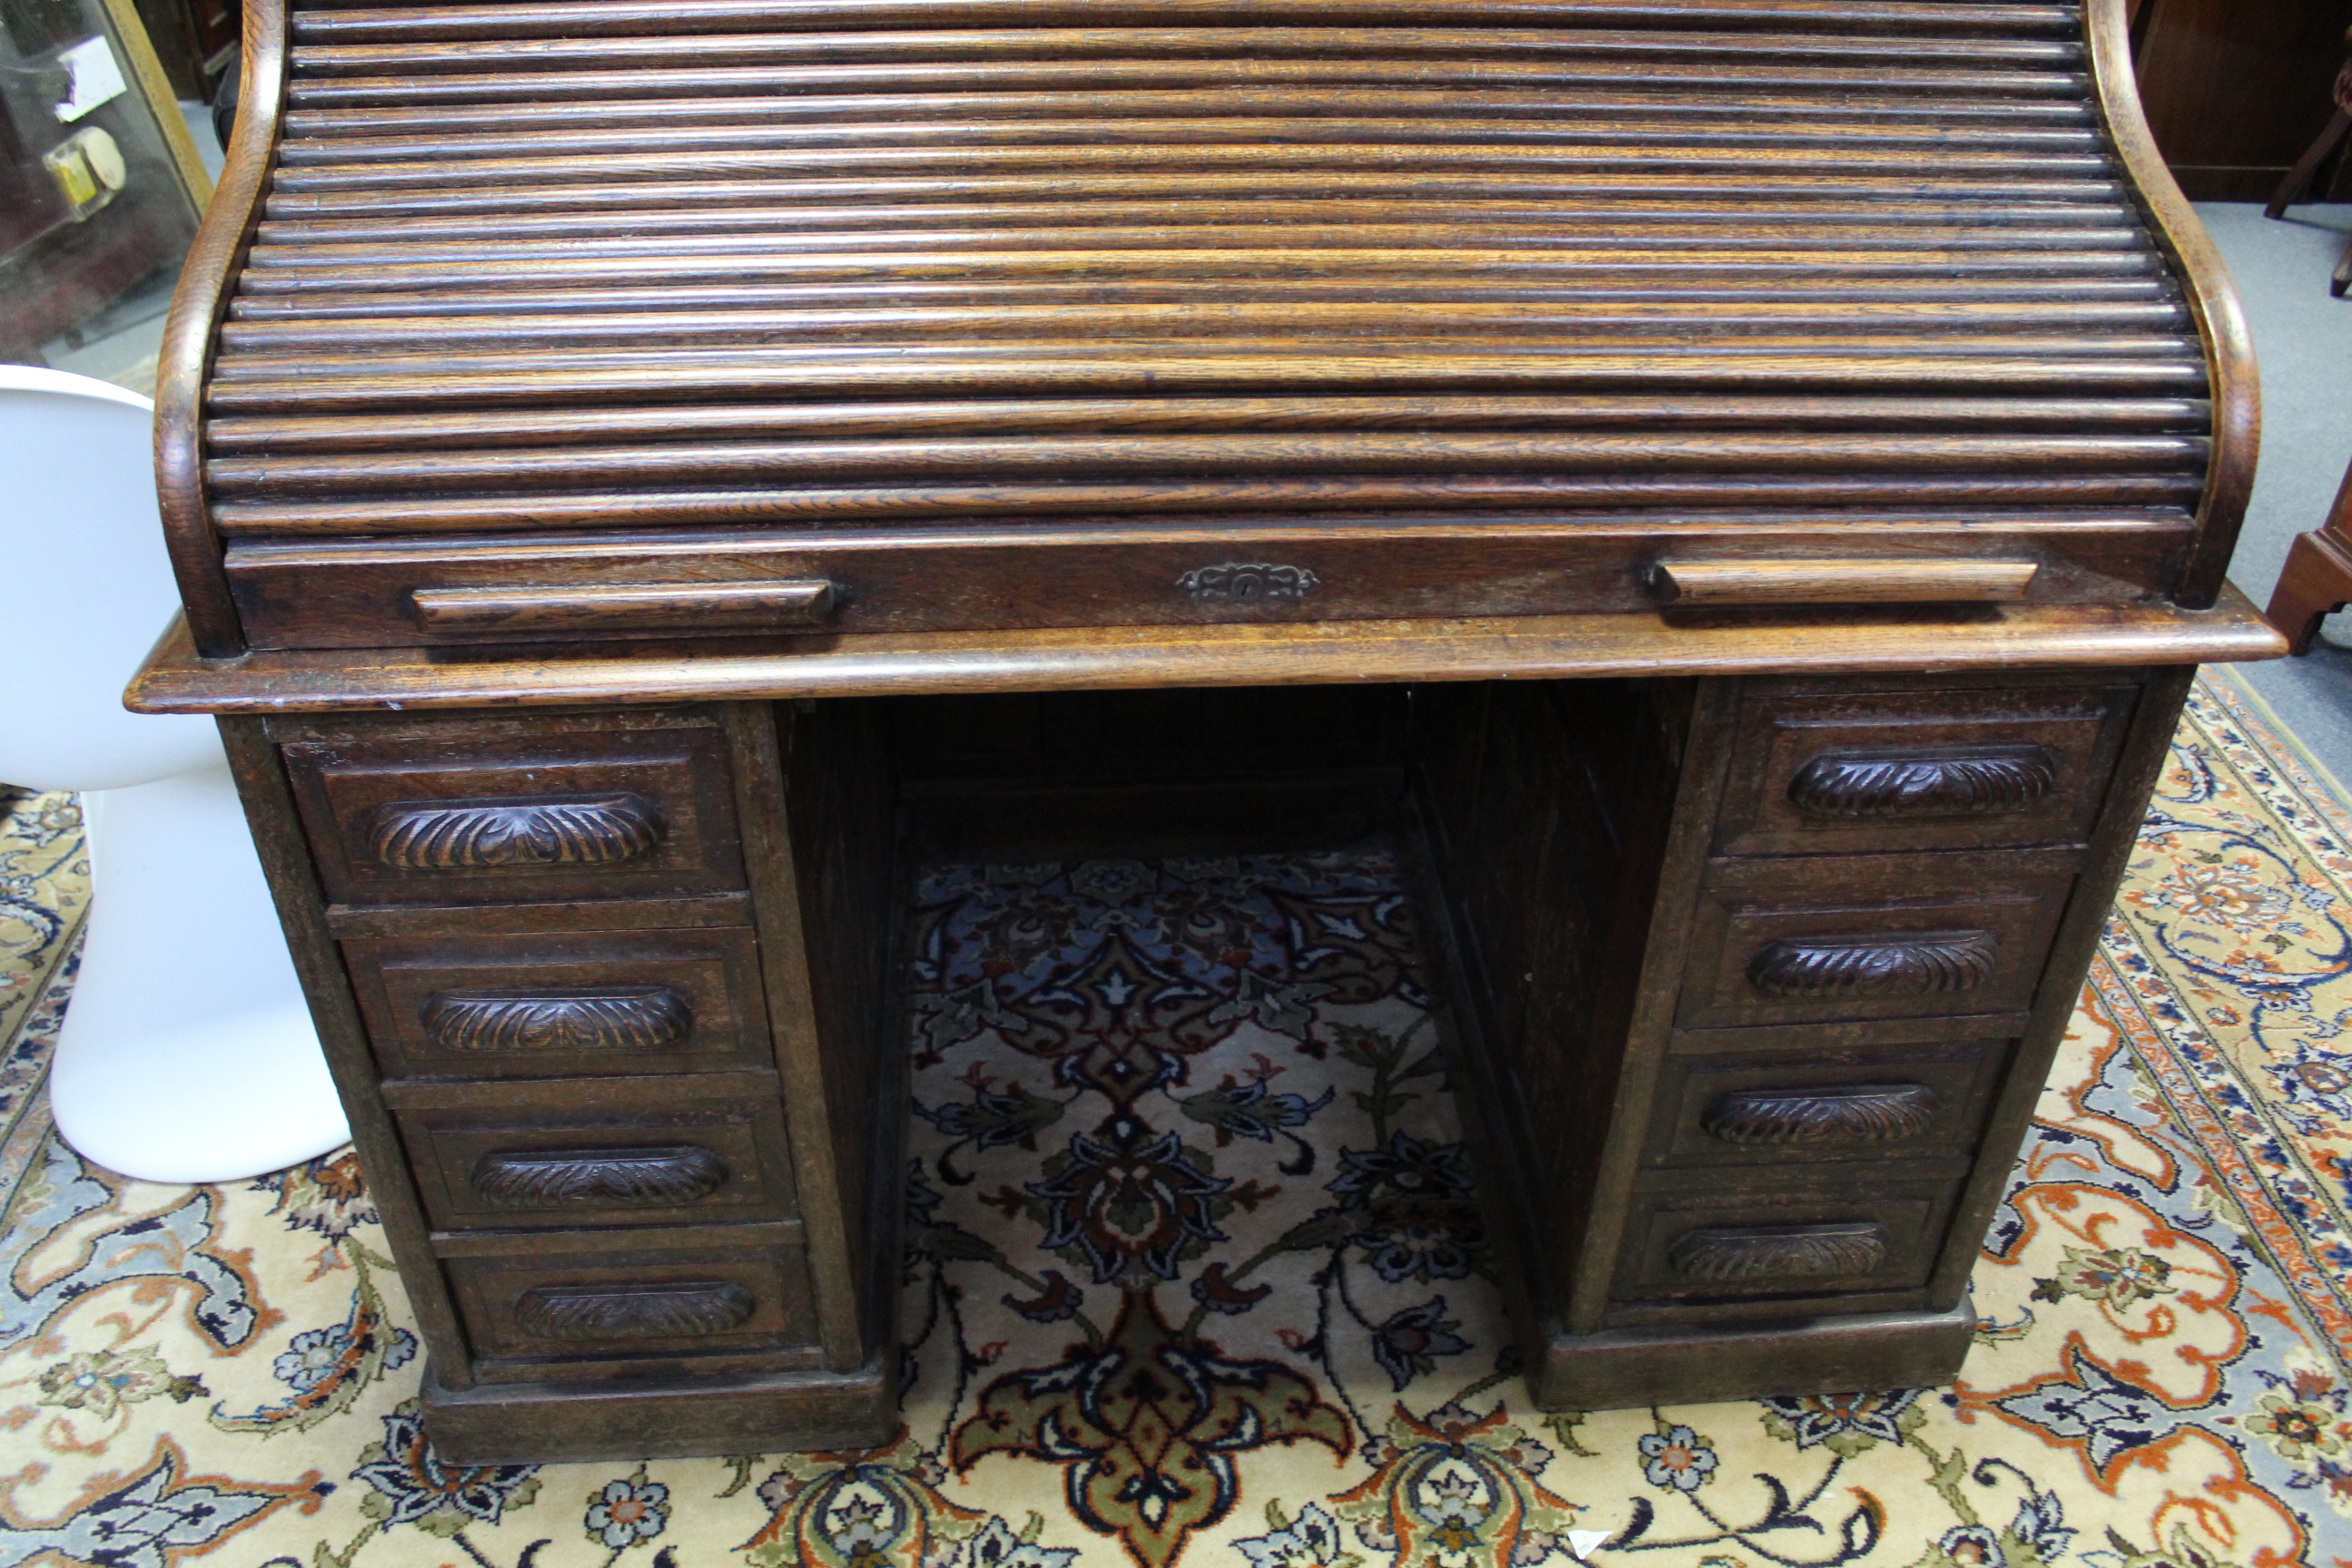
[{"x": 96, "y": 75}]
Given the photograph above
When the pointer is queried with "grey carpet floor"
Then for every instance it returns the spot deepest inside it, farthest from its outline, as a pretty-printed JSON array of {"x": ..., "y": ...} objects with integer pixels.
[{"x": 2303, "y": 339}]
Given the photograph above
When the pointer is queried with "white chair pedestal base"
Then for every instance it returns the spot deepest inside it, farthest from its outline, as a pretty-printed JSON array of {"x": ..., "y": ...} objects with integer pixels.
[{"x": 186, "y": 1053}]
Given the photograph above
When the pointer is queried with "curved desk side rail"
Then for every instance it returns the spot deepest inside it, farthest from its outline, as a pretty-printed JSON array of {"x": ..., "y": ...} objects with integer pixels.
[
  {"x": 2231, "y": 382},
  {"x": 193, "y": 328}
]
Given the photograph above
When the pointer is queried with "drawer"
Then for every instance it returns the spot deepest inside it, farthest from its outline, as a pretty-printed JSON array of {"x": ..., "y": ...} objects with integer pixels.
[
  {"x": 1882, "y": 936},
  {"x": 598, "y": 1307},
  {"x": 1831, "y": 1236},
  {"x": 1816, "y": 771},
  {"x": 576, "y": 1005},
  {"x": 1789, "y": 1103},
  {"x": 621, "y": 1151},
  {"x": 489, "y": 811}
]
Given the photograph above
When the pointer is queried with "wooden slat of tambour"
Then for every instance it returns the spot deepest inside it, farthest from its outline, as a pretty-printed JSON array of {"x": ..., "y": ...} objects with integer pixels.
[
  {"x": 1243, "y": 185},
  {"x": 360, "y": 24},
  {"x": 1204, "y": 226},
  {"x": 2047, "y": 148},
  {"x": 512, "y": 86},
  {"x": 1367, "y": 314},
  {"x": 1538, "y": 166},
  {"x": 587, "y": 302},
  {"x": 973, "y": 45},
  {"x": 1311, "y": 352},
  {"x": 570, "y": 283},
  {"x": 1296, "y": 493},
  {"x": 575, "y": 544},
  {"x": 1942, "y": 116},
  {"x": 244, "y": 388},
  {"x": 580, "y": 427},
  {"x": 1830, "y": 274},
  {"x": 1098, "y": 456}
]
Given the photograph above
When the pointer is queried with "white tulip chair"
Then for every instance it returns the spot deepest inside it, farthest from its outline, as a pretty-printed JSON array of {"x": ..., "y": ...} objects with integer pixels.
[{"x": 186, "y": 1053}]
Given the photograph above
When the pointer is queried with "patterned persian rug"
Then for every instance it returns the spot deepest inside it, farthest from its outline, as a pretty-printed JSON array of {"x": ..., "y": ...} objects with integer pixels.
[{"x": 1196, "y": 1275}]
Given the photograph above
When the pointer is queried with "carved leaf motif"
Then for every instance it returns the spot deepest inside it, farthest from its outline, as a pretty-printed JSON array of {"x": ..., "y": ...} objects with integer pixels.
[
  {"x": 552, "y": 1178},
  {"x": 1919, "y": 965},
  {"x": 1864, "y": 1113},
  {"x": 1977, "y": 783},
  {"x": 1813, "y": 1251},
  {"x": 637, "y": 1312},
  {"x": 556, "y": 830},
  {"x": 640, "y": 1017},
  {"x": 1246, "y": 582}
]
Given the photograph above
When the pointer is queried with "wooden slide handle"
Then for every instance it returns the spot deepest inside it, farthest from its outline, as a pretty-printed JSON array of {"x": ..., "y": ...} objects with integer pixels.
[
  {"x": 1865, "y": 582},
  {"x": 626, "y": 607}
]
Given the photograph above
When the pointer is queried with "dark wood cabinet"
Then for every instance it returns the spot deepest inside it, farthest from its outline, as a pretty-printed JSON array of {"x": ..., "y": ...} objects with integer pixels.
[{"x": 2236, "y": 89}]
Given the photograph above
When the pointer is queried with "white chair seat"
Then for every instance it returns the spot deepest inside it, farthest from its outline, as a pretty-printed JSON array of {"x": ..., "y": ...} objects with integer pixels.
[{"x": 186, "y": 1053}]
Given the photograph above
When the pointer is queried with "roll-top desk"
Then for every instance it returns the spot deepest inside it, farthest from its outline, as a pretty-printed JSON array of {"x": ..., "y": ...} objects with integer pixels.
[{"x": 1737, "y": 488}]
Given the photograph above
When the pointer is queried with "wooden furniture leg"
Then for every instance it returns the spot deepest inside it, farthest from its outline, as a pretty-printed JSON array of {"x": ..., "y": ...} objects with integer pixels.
[
  {"x": 2319, "y": 576},
  {"x": 2297, "y": 183}
]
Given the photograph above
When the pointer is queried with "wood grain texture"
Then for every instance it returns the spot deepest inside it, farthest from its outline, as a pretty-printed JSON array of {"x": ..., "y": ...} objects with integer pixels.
[
  {"x": 2145, "y": 751},
  {"x": 512, "y": 276},
  {"x": 295, "y": 888},
  {"x": 1849, "y": 582},
  {"x": 826, "y": 1165},
  {"x": 175, "y": 679},
  {"x": 552, "y": 610}
]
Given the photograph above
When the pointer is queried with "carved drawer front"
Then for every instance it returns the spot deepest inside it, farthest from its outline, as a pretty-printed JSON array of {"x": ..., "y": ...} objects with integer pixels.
[
  {"x": 583, "y": 1307},
  {"x": 496, "y": 811},
  {"x": 605, "y": 1152},
  {"x": 580, "y": 1004},
  {"x": 1816, "y": 770},
  {"x": 1827, "y": 1238},
  {"x": 1793, "y": 1105},
  {"x": 1876, "y": 937}
]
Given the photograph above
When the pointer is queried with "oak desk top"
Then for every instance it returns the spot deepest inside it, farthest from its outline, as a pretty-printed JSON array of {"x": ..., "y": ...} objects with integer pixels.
[{"x": 1992, "y": 636}]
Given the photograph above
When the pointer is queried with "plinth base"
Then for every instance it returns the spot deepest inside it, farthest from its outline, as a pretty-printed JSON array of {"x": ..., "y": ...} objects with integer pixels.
[
  {"x": 632, "y": 1418},
  {"x": 1631, "y": 1367}
]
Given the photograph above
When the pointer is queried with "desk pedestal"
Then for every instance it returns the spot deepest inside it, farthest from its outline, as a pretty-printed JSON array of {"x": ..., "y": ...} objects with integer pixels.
[{"x": 1756, "y": 979}]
